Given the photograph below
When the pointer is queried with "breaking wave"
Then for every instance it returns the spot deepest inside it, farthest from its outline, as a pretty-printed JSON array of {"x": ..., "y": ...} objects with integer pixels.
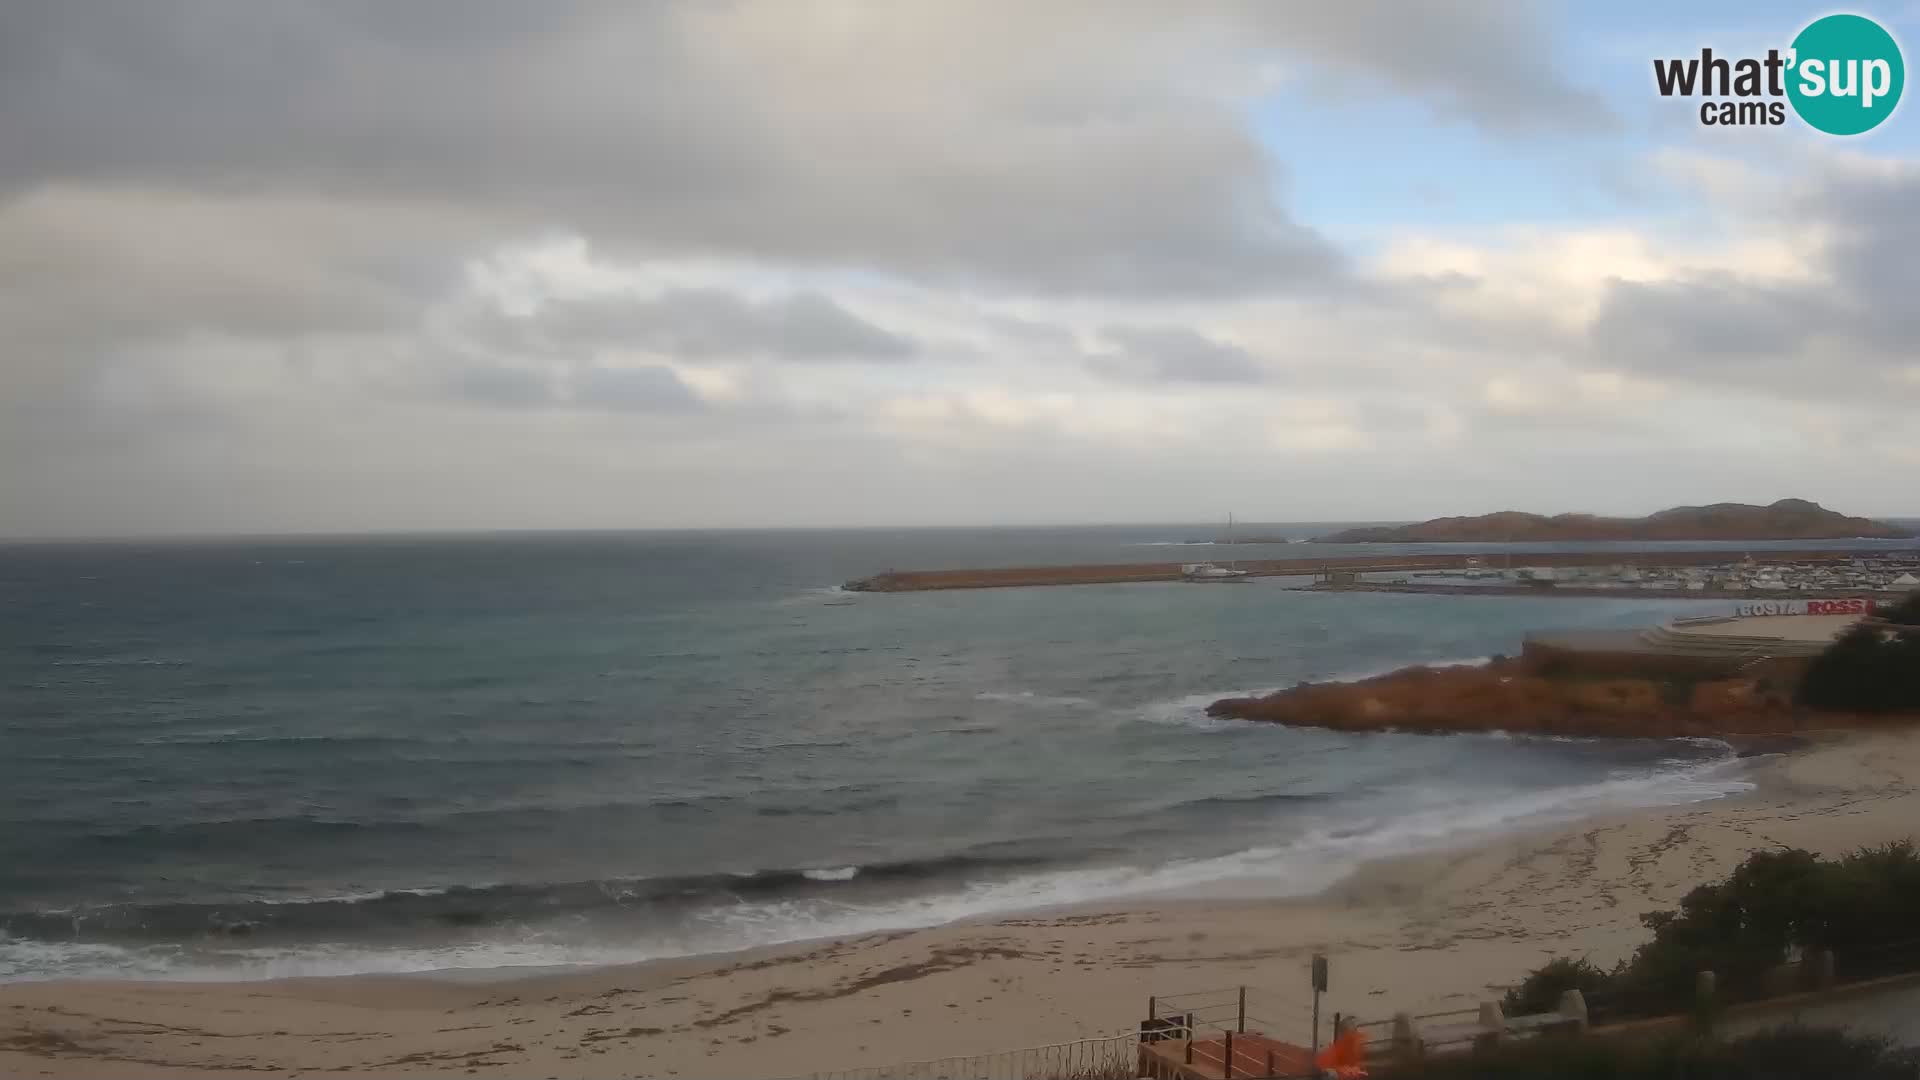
[{"x": 625, "y": 920}]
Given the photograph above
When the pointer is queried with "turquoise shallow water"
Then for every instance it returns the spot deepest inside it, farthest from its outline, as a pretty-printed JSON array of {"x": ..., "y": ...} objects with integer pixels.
[{"x": 286, "y": 757}]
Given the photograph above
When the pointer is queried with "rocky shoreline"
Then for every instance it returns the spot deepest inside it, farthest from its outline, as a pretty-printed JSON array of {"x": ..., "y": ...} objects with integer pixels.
[{"x": 1511, "y": 695}]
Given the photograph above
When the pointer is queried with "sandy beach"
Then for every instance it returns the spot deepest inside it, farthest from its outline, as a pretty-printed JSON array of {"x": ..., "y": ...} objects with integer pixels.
[{"x": 1422, "y": 933}]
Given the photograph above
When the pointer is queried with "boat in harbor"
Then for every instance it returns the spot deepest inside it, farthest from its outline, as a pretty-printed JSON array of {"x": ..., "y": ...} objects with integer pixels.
[{"x": 1206, "y": 571}]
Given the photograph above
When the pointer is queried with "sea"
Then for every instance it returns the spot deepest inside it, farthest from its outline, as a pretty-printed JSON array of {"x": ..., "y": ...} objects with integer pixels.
[{"x": 236, "y": 759}]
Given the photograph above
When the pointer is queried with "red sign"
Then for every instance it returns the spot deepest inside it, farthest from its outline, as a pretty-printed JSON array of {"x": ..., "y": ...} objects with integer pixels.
[
  {"x": 1854, "y": 606},
  {"x": 1851, "y": 606}
]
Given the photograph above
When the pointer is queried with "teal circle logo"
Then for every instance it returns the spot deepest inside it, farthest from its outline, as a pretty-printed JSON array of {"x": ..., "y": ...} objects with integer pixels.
[{"x": 1846, "y": 74}]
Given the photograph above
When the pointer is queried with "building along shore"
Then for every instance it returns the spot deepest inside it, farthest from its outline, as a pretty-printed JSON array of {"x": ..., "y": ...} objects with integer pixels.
[
  {"x": 1589, "y": 591},
  {"x": 1840, "y": 573}
]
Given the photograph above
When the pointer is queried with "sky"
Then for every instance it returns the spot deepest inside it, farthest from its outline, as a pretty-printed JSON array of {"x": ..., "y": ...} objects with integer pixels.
[{"x": 275, "y": 266}]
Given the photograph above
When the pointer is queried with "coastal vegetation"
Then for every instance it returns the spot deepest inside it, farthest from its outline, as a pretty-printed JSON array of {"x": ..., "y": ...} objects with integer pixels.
[
  {"x": 1904, "y": 613},
  {"x": 1867, "y": 670},
  {"x": 1871, "y": 668},
  {"x": 1863, "y": 907},
  {"x": 1782, "y": 1054}
]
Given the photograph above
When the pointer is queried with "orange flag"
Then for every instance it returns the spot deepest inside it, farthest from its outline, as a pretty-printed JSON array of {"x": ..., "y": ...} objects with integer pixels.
[{"x": 1346, "y": 1055}]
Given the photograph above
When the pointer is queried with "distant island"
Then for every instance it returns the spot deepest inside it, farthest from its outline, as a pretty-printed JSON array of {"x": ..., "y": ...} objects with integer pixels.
[{"x": 1788, "y": 519}]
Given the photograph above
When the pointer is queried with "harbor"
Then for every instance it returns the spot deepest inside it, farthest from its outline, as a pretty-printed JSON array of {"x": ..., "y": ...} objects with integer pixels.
[
  {"x": 1812, "y": 577},
  {"x": 1701, "y": 574}
]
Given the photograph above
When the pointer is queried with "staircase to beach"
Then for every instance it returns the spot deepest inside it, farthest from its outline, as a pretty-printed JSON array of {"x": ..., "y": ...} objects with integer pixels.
[{"x": 1683, "y": 637}]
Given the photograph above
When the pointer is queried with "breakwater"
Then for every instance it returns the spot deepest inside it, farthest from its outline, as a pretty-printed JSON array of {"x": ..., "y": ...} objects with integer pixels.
[{"x": 1110, "y": 573}]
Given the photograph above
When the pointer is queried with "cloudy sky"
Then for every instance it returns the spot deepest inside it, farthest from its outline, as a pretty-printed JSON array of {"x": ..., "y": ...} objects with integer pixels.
[{"x": 285, "y": 266}]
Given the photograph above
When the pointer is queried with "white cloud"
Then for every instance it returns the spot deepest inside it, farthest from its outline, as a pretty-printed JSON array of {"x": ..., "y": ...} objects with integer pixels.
[{"x": 825, "y": 262}]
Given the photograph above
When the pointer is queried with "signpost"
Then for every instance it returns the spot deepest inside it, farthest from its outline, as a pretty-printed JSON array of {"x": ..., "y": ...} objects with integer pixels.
[{"x": 1319, "y": 987}]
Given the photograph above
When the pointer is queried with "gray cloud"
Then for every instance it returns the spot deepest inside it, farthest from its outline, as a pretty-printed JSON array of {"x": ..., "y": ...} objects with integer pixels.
[
  {"x": 1030, "y": 332},
  {"x": 81, "y": 270},
  {"x": 1069, "y": 147},
  {"x": 268, "y": 176},
  {"x": 673, "y": 128},
  {"x": 1174, "y": 354},
  {"x": 1875, "y": 216},
  {"x": 466, "y": 377},
  {"x": 1839, "y": 333},
  {"x": 1701, "y": 322},
  {"x": 704, "y": 324},
  {"x": 650, "y": 389},
  {"x": 1486, "y": 61},
  {"x": 498, "y": 385}
]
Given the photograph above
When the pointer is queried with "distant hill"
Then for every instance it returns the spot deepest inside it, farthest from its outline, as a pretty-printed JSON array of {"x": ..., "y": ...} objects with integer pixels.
[{"x": 1788, "y": 519}]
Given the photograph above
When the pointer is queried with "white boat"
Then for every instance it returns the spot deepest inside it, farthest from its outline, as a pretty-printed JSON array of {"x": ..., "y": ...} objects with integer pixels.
[{"x": 1206, "y": 571}]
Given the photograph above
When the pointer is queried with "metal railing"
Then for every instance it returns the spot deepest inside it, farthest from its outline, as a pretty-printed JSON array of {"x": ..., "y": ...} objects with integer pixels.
[
  {"x": 1449, "y": 1029},
  {"x": 1236, "y": 1008},
  {"x": 1236, "y": 1031}
]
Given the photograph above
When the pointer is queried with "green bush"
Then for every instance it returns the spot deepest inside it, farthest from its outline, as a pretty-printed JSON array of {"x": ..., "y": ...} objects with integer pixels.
[
  {"x": 1740, "y": 928},
  {"x": 1866, "y": 670},
  {"x": 1736, "y": 929},
  {"x": 1784, "y": 1054},
  {"x": 1542, "y": 989},
  {"x": 1906, "y": 612}
]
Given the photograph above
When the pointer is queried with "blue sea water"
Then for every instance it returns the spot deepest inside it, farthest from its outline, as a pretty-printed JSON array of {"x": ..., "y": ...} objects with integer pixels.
[{"x": 286, "y": 756}]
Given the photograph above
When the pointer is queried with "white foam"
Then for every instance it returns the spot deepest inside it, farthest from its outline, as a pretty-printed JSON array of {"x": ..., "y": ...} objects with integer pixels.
[
  {"x": 38, "y": 961},
  {"x": 829, "y": 595},
  {"x": 1306, "y": 865},
  {"x": 126, "y": 661},
  {"x": 1388, "y": 669},
  {"x": 1191, "y": 710},
  {"x": 1028, "y": 697},
  {"x": 1424, "y": 820},
  {"x": 356, "y": 897},
  {"x": 843, "y": 873}
]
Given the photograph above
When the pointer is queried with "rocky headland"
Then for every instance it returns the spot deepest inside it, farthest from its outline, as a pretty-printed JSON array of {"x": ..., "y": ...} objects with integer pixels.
[
  {"x": 1511, "y": 695},
  {"x": 1787, "y": 519}
]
